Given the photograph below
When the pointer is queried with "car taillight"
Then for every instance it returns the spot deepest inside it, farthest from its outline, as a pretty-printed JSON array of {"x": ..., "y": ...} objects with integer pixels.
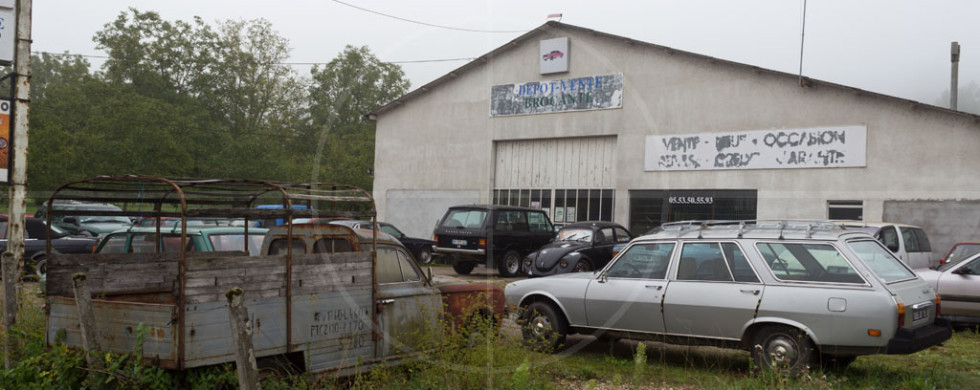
[
  {"x": 94, "y": 247},
  {"x": 901, "y": 315},
  {"x": 942, "y": 261},
  {"x": 483, "y": 243},
  {"x": 938, "y": 305}
]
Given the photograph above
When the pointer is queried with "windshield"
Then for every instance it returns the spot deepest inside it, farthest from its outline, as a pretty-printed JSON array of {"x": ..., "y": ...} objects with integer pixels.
[
  {"x": 235, "y": 242},
  {"x": 103, "y": 219},
  {"x": 575, "y": 235},
  {"x": 464, "y": 219},
  {"x": 959, "y": 253},
  {"x": 881, "y": 261}
]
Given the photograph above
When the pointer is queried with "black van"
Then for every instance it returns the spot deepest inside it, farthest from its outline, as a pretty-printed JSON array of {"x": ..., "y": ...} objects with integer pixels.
[{"x": 497, "y": 236}]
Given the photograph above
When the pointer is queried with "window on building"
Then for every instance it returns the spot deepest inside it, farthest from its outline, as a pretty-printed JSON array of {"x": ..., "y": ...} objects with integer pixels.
[
  {"x": 563, "y": 205},
  {"x": 852, "y": 210},
  {"x": 652, "y": 208}
]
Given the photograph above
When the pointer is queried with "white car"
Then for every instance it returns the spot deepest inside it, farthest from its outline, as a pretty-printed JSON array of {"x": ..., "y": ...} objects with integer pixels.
[
  {"x": 908, "y": 242},
  {"x": 793, "y": 293}
]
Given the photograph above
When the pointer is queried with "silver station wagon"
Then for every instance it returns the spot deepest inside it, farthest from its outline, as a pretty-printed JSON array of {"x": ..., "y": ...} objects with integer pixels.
[{"x": 793, "y": 293}]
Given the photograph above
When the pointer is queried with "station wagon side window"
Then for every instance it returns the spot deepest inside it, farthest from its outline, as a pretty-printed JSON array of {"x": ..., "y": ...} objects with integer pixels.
[
  {"x": 915, "y": 240},
  {"x": 510, "y": 220},
  {"x": 114, "y": 244},
  {"x": 738, "y": 264},
  {"x": 888, "y": 236},
  {"x": 143, "y": 243},
  {"x": 539, "y": 223},
  {"x": 643, "y": 261},
  {"x": 622, "y": 236},
  {"x": 604, "y": 237},
  {"x": 332, "y": 245},
  {"x": 278, "y": 246},
  {"x": 394, "y": 267},
  {"x": 808, "y": 263},
  {"x": 703, "y": 261}
]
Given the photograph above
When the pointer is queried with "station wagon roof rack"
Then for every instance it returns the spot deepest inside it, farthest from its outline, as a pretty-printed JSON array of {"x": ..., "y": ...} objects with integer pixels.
[{"x": 807, "y": 226}]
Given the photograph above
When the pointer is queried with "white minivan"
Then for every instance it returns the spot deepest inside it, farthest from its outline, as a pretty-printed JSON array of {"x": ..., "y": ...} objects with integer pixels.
[{"x": 908, "y": 242}]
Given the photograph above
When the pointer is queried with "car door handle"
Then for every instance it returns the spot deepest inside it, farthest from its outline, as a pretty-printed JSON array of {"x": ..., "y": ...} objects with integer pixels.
[
  {"x": 748, "y": 291},
  {"x": 654, "y": 286},
  {"x": 386, "y": 301}
]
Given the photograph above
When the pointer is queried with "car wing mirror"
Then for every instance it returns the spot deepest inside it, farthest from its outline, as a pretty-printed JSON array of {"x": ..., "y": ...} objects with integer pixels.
[{"x": 963, "y": 271}]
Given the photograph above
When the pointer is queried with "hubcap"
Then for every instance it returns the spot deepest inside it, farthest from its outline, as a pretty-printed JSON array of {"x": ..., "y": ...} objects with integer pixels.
[
  {"x": 782, "y": 351},
  {"x": 540, "y": 326}
]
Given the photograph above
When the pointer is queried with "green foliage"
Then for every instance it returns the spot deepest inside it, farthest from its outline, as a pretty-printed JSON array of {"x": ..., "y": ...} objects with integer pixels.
[{"x": 192, "y": 99}]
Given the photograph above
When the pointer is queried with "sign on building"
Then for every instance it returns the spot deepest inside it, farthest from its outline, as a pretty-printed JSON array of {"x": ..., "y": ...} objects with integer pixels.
[
  {"x": 541, "y": 97},
  {"x": 8, "y": 30},
  {"x": 818, "y": 147},
  {"x": 553, "y": 55}
]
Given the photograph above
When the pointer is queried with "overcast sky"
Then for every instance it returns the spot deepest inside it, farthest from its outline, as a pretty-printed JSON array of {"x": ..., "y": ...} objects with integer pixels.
[{"x": 895, "y": 47}]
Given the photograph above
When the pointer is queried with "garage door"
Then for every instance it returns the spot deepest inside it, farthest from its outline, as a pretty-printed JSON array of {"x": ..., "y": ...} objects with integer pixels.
[{"x": 572, "y": 178}]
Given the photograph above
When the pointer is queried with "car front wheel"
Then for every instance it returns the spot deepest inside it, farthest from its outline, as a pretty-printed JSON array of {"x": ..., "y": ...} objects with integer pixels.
[
  {"x": 782, "y": 348},
  {"x": 543, "y": 327},
  {"x": 510, "y": 264}
]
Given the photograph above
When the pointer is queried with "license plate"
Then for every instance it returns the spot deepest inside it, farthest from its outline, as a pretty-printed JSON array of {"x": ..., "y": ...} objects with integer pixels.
[
  {"x": 920, "y": 315},
  {"x": 459, "y": 242}
]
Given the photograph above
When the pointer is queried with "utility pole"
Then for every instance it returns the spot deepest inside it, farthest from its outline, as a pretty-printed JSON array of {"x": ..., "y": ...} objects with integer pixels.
[
  {"x": 18, "y": 172},
  {"x": 954, "y": 56}
]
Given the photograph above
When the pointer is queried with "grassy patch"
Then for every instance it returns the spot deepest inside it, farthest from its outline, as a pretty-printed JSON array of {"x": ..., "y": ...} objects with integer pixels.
[{"x": 478, "y": 358}]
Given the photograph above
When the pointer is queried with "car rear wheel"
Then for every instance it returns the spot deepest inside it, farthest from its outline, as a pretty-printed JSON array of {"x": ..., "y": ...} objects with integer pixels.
[
  {"x": 782, "y": 348},
  {"x": 510, "y": 264},
  {"x": 583, "y": 266},
  {"x": 543, "y": 327},
  {"x": 425, "y": 256},
  {"x": 463, "y": 268}
]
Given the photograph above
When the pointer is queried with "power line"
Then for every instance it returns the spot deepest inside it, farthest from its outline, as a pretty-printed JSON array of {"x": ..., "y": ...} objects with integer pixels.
[
  {"x": 281, "y": 63},
  {"x": 429, "y": 24}
]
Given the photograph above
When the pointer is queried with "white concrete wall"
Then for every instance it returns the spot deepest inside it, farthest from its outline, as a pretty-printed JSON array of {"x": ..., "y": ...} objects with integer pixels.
[{"x": 443, "y": 139}]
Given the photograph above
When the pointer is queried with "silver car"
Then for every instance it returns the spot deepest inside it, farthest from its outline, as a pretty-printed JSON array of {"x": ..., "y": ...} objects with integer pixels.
[{"x": 793, "y": 293}]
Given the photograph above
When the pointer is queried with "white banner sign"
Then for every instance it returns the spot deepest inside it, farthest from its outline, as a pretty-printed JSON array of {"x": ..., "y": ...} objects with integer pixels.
[{"x": 818, "y": 147}]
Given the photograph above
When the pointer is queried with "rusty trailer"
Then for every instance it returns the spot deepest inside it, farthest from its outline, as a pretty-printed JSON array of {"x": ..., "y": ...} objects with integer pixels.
[{"x": 316, "y": 307}]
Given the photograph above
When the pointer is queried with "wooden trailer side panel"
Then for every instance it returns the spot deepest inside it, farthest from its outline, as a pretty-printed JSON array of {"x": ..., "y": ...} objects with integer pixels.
[
  {"x": 332, "y": 304},
  {"x": 119, "y": 326}
]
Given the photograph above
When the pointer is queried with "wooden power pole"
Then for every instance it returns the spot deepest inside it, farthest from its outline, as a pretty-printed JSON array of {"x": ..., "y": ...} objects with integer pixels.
[{"x": 18, "y": 172}]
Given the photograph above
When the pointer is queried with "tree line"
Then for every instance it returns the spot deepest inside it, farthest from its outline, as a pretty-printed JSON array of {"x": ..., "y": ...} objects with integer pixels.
[{"x": 191, "y": 99}]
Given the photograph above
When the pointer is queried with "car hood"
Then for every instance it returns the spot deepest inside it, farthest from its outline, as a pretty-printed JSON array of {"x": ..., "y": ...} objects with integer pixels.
[{"x": 548, "y": 256}]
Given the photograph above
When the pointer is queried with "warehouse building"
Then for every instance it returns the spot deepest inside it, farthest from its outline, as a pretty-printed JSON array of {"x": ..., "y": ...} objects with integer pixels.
[{"x": 593, "y": 126}]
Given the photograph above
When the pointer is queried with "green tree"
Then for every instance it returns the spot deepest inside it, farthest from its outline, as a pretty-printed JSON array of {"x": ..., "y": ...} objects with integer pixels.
[{"x": 348, "y": 87}]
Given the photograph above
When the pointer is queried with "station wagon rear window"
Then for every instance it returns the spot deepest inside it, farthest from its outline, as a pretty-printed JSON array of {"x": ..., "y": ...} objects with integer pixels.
[
  {"x": 881, "y": 261},
  {"x": 464, "y": 219},
  {"x": 808, "y": 263}
]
